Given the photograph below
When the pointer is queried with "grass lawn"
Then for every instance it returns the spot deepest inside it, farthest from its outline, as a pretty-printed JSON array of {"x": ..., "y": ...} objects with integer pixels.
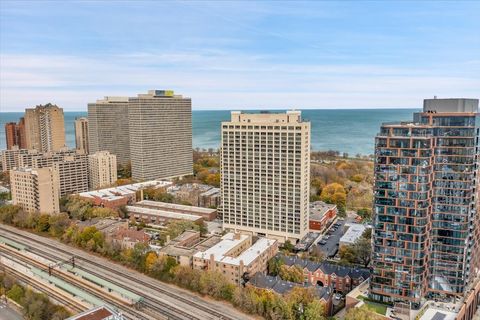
[{"x": 377, "y": 307}]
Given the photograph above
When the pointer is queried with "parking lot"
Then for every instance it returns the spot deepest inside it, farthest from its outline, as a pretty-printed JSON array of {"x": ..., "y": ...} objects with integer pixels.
[{"x": 330, "y": 248}]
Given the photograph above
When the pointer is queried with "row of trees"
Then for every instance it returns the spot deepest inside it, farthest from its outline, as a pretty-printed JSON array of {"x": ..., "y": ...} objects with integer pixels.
[
  {"x": 299, "y": 304},
  {"x": 80, "y": 209},
  {"x": 345, "y": 183},
  {"x": 36, "y": 306}
]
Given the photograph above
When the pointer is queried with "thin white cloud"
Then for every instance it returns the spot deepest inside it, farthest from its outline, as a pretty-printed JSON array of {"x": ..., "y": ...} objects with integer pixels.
[{"x": 219, "y": 80}]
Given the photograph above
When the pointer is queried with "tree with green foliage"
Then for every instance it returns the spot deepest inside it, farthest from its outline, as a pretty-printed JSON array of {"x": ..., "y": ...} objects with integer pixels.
[
  {"x": 8, "y": 212},
  {"x": 288, "y": 246},
  {"x": 16, "y": 293},
  {"x": 315, "y": 310},
  {"x": 274, "y": 265},
  {"x": 58, "y": 224},
  {"x": 293, "y": 273},
  {"x": 78, "y": 208}
]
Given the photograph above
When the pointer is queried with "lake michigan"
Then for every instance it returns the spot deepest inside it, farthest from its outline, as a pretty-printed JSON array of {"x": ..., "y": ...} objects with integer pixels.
[{"x": 350, "y": 131}]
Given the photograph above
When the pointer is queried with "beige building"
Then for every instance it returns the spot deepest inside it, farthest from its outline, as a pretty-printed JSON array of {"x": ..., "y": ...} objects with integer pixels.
[
  {"x": 11, "y": 158},
  {"x": 81, "y": 135},
  {"x": 71, "y": 166},
  {"x": 35, "y": 190},
  {"x": 102, "y": 168},
  {"x": 45, "y": 128},
  {"x": 236, "y": 257},
  {"x": 160, "y": 125},
  {"x": 108, "y": 128},
  {"x": 265, "y": 174}
]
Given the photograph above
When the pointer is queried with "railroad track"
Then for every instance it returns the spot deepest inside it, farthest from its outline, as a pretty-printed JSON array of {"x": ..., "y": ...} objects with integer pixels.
[
  {"x": 127, "y": 311},
  {"x": 52, "y": 294},
  {"x": 171, "y": 311}
]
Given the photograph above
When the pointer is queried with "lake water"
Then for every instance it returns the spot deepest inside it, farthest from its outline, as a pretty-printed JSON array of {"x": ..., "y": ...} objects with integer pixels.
[{"x": 350, "y": 131}]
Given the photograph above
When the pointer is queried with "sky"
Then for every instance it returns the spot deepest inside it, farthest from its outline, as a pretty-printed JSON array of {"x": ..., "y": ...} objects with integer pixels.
[{"x": 239, "y": 55}]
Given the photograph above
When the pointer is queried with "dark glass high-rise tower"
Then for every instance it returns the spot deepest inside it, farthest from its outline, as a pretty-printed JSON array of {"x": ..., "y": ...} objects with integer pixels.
[{"x": 427, "y": 228}]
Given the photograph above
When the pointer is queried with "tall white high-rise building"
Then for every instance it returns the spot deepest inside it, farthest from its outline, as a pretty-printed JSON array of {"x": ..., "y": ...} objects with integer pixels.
[
  {"x": 265, "y": 174},
  {"x": 102, "y": 168}
]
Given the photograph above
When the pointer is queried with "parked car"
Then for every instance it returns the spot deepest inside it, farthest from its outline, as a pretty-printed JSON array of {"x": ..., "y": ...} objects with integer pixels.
[{"x": 322, "y": 242}]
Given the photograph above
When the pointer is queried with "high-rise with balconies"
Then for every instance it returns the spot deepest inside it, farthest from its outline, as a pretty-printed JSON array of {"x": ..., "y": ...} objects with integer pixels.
[
  {"x": 426, "y": 209},
  {"x": 44, "y": 128},
  {"x": 265, "y": 174}
]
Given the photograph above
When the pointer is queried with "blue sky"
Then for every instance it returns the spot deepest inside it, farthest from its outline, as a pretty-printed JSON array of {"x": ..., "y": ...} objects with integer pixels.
[{"x": 239, "y": 55}]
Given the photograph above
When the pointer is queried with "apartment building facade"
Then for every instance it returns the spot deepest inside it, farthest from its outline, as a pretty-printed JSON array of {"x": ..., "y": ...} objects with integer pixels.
[
  {"x": 108, "y": 128},
  {"x": 45, "y": 128},
  {"x": 236, "y": 257},
  {"x": 15, "y": 134},
  {"x": 102, "y": 168},
  {"x": 265, "y": 174},
  {"x": 81, "y": 135},
  {"x": 36, "y": 190},
  {"x": 427, "y": 223},
  {"x": 152, "y": 131},
  {"x": 160, "y": 126},
  {"x": 72, "y": 167}
]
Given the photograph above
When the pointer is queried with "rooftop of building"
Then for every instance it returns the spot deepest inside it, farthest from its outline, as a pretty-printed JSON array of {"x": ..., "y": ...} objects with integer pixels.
[
  {"x": 354, "y": 231},
  {"x": 212, "y": 191},
  {"x": 173, "y": 206},
  {"x": 288, "y": 117},
  {"x": 451, "y": 105},
  {"x": 326, "y": 267},
  {"x": 104, "y": 225},
  {"x": 97, "y": 313},
  {"x": 189, "y": 187},
  {"x": 162, "y": 213},
  {"x": 229, "y": 241},
  {"x": 280, "y": 286},
  {"x": 117, "y": 192},
  {"x": 319, "y": 208},
  {"x": 204, "y": 244}
]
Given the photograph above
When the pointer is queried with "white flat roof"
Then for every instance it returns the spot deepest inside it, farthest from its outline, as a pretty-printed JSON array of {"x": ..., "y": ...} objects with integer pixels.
[
  {"x": 115, "y": 192},
  {"x": 434, "y": 313},
  {"x": 175, "y": 206},
  {"x": 162, "y": 213},
  {"x": 354, "y": 232},
  {"x": 228, "y": 242}
]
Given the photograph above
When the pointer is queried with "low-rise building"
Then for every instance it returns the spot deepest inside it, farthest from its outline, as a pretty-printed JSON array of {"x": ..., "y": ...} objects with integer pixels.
[
  {"x": 196, "y": 194},
  {"x": 353, "y": 233},
  {"x": 186, "y": 245},
  {"x": 341, "y": 278},
  {"x": 116, "y": 197},
  {"x": 236, "y": 257},
  {"x": 36, "y": 190},
  {"x": 210, "y": 199},
  {"x": 321, "y": 215},
  {"x": 206, "y": 213},
  {"x": 98, "y": 313},
  {"x": 159, "y": 217},
  {"x": 127, "y": 238},
  {"x": 276, "y": 284}
]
